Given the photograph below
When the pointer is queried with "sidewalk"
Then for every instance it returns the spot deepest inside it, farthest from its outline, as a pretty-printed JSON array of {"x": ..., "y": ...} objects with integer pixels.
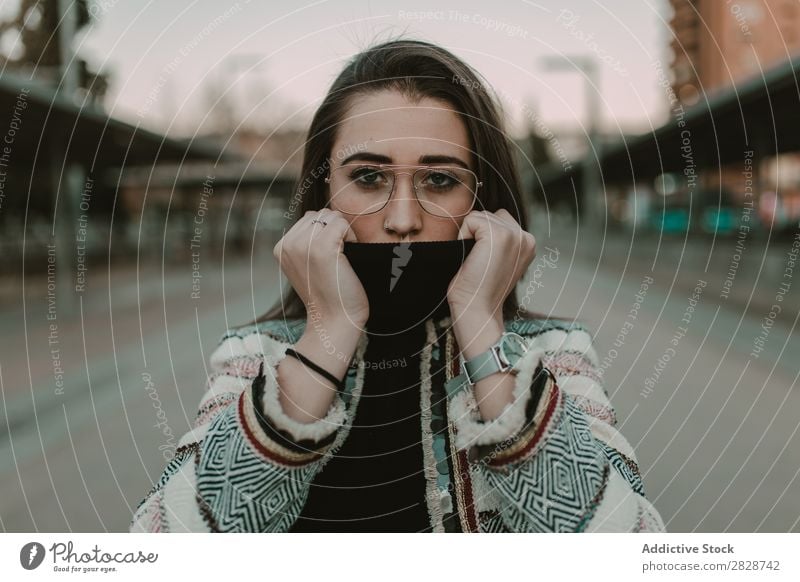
[
  {"x": 42, "y": 350},
  {"x": 762, "y": 275},
  {"x": 85, "y": 443}
]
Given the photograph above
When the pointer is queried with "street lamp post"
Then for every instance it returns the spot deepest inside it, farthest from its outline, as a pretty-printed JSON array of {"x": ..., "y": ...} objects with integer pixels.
[
  {"x": 590, "y": 200},
  {"x": 236, "y": 66},
  {"x": 66, "y": 184}
]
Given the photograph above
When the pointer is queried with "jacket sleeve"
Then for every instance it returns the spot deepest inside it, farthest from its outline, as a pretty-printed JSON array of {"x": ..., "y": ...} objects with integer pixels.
[
  {"x": 554, "y": 455},
  {"x": 245, "y": 466}
]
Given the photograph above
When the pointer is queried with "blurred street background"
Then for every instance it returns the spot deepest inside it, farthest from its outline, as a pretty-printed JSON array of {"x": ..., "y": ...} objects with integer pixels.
[{"x": 148, "y": 155}]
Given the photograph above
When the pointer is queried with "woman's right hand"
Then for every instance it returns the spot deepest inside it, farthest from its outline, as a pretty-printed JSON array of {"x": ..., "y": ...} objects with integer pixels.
[{"x": 311, "y": 256}]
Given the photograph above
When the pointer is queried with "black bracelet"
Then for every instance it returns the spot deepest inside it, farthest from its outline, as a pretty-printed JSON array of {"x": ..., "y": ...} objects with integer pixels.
[
  {"x": 338, "y": 383},
  {"x": 540, "y": 377},
  {"x": 280, "y": 435}
]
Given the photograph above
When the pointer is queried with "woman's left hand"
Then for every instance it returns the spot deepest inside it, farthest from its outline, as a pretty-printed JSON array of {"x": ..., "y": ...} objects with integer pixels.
[{"x": 500, "y": 257}]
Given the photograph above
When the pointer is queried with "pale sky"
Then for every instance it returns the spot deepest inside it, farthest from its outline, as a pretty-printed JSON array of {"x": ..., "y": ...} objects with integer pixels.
[{"x": 166, "y": 56}]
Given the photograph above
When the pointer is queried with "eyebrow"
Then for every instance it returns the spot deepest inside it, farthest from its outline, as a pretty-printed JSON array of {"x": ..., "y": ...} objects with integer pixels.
[{"x": 381, "y": 159}]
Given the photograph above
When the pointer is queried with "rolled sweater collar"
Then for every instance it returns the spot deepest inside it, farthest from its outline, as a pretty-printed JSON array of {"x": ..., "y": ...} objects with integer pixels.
[{"x": 406, "y": 283}]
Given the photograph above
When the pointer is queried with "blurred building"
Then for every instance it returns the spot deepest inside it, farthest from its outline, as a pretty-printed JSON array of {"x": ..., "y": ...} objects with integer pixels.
[
  {"x": 718, "y": 46},
  {"x": 54, "y": 190},
  {"x": 223, "y": 204},
  {"x": 717, "y": 43}
]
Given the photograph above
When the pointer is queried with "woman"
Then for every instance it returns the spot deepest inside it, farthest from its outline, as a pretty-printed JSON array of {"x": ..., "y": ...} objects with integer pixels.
[{"x": 400, "y": 361}]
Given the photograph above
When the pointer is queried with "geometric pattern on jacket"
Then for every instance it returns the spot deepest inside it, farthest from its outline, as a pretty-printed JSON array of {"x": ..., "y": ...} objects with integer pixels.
[{"x": 551, "y": 462}]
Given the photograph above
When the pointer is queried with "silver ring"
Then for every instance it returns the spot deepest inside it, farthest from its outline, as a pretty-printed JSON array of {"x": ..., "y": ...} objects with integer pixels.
[{"x": 322, "y": 221}]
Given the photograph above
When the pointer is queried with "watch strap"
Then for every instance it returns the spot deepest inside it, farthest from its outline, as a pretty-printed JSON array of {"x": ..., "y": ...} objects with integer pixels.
[
  {"x": 475, "y": 369},
  {"x": 483, "y": 365}
]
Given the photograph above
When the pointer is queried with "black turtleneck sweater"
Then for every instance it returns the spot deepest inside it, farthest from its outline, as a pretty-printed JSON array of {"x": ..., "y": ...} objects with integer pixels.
[{"x": 376, "y": 482}]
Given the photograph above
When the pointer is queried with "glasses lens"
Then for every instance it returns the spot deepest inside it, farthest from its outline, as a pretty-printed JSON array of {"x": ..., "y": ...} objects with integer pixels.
[
  {"x": 360, "y": 189},
  {"x": 446, "y": 191}
]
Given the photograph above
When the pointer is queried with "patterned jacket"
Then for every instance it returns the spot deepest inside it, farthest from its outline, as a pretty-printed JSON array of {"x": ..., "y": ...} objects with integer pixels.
[{"x": 558, "y": 465}]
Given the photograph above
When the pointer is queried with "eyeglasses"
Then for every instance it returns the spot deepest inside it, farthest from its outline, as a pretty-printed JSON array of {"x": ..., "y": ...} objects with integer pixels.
[{"x": 444, "y": 191}]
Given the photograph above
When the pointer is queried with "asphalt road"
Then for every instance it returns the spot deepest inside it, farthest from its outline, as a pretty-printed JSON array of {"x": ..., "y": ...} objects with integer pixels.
[{"x": 714, "y": 426}]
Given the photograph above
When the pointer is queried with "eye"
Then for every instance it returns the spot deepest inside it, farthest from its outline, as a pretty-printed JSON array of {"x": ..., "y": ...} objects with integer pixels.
[
  {"x": 368, "y": 177},
  {"x": 439, "y": 180}
]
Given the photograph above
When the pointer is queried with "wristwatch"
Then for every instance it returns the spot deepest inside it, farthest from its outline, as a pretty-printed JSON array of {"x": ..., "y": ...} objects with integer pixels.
[{"x": 500, "y": 357}]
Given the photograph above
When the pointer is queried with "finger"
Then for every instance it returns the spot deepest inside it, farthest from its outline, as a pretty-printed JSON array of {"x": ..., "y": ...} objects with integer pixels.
[
  {"x": 318, "y": 215},
  {"x": 321, "y": 222},
  {"x": 484, "y": 224},
  {"x": 508, "y": 222},
  {"x": 291, "y": 234},
  {"x": 327, "y": 215},
  {"x": 507, "y": 217},
  {"x": 277, "y": 250},
  {"x": 350, "y": 236},
  {"x": 471, "y": 225},
  {"x": 305, "y": 220},
  {"x": 338, "y": 228},
  {"x": 503, "y": 219}
]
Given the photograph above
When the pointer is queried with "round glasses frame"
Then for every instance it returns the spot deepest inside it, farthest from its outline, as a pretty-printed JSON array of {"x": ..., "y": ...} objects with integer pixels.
[{"x": 417, "y": 169}]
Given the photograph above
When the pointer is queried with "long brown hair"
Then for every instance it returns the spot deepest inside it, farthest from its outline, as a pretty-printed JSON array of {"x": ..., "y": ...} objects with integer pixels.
[{"x": 417, "y": 69}]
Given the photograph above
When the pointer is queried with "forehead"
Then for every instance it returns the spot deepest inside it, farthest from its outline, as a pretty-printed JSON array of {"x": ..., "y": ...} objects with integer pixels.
[{"x": 387, "y": 120}]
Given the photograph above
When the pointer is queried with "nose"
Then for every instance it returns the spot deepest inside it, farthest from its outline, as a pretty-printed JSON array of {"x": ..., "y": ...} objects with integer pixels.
[{"x": 403, "y": 214}]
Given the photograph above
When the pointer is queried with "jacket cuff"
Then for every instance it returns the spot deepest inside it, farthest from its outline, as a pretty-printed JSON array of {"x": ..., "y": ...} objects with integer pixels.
[
  {"x": 472, "y": 430},
  {"x": 319, "y": 431},
  {"x": 522, "y": 446}
]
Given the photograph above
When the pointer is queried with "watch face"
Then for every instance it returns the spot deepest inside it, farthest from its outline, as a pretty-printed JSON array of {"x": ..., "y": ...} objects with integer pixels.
[{"x": 513, "y": 347}]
